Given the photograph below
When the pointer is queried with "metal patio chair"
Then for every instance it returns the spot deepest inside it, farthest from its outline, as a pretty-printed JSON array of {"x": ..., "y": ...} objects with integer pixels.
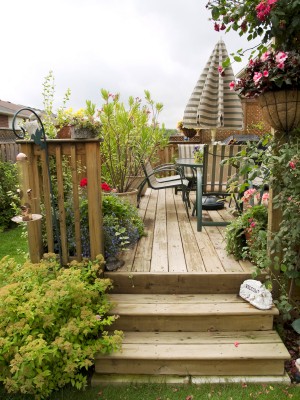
[{"x": 156, "y": 182}]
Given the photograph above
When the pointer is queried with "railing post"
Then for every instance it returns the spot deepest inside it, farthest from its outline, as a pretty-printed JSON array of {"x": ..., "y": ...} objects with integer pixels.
[{"x": 28, "y": 196}]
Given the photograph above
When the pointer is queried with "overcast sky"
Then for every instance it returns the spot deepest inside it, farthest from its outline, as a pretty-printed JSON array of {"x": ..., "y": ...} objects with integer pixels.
[{"x": 124, "y": 46}]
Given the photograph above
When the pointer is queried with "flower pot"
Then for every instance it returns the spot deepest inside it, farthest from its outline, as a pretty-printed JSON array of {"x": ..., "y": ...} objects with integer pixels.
[
  {"x": 83, "y": 133},
  {"x": 281, "y": 109},
  {"x": 130, "y": 197},
  {"x": 189, "y": 132},
  {"x": 65, "y": 132}
]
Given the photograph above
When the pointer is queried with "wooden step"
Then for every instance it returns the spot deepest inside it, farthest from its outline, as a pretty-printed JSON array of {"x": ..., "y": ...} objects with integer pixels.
[
  {"x": 194, "y": 312},
  {"x": 197, "y": 354},
  {"x": 169, "y": 283}
]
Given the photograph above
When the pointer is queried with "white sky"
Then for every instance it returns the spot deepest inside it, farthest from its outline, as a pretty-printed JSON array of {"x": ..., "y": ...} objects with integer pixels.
[{"x": 124, "y": 46}]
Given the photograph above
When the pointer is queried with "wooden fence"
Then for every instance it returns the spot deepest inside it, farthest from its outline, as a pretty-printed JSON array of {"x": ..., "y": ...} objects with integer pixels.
[
  {"x": 9, "y": 151},
  {"x": 35, "y": 168}
]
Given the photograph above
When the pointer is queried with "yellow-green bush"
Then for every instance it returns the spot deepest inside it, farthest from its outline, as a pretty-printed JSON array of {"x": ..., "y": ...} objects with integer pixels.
[{"x": 52, "y": 323}]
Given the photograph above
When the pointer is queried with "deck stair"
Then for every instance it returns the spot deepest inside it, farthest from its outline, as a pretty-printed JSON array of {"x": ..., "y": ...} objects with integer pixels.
[{"x": 178, "y": 334}]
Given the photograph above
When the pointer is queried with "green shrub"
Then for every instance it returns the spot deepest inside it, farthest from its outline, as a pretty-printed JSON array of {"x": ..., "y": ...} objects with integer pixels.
[
  {"x": 8, "y": 187},
  {"x": 52, "y": 323},
  {"x": 122, "y": 226}
]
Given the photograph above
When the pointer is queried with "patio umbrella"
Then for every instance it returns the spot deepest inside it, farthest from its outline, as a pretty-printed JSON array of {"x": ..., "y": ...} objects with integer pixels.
[{"x": 212, "y": 104}]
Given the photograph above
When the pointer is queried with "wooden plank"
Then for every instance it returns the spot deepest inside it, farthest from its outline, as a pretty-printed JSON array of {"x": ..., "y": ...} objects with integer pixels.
[
  {"x": 159, "y": 260},
  {"x": 192, "y": 367},
  {"x": 193, "y": 258},
  {"x": 228, "y": 261},
  {"x": 175, "y": 298},
  {"x": 47, "y": 203},
  {"x": 208, "y": 352},
  {"x": 210, "y": 258},
  {"x": 190, "y": 309},
  {"x": 162, "y": 283},
  {"x": 193, "y": 323},
  {"x": 187, "y": 338},
  {"x": 143, "y": 253},
  {"x": 175, "y": 250},
  {"x": 75, "y": 180},
  {"x": 61, "y": 206},
  {"x": 93, "y": 171}
]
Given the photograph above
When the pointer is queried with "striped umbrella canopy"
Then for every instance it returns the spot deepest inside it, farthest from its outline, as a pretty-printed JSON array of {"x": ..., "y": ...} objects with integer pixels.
[{"x": 212, "y": 104}]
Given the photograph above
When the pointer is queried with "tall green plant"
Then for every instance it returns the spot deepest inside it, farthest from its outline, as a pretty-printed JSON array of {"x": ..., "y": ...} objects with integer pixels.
[
  {"x": 131, "y": 133},
  {"x": 48, "y": 93}
]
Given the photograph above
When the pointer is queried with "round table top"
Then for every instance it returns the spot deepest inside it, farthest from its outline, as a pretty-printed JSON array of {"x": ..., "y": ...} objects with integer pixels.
[{"x": 188, "y": 162}]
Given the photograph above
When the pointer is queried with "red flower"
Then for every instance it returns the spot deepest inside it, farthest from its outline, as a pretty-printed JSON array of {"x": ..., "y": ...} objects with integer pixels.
[
  {"x": 105, "y": 187},
  {"x": 292, "y": 165},
  {"x": 83, "y": 182}
]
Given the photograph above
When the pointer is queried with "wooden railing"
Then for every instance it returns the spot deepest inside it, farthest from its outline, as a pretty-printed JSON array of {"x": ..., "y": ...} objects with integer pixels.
[{"x": 37, "y": 184}]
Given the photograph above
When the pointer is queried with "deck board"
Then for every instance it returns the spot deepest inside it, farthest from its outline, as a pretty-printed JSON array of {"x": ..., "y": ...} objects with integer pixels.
[{"x": 172, "y": 243}]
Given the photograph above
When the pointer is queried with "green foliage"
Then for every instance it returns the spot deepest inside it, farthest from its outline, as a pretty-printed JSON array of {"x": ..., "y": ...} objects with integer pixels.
[
  {"x": 258, "y": 18},
  {"x": 252, "y": 221},
  {"x": 49, "y": 121},
  {"x": 282, "y": 159},
  {"x": 122, "y": 226},
  {"x": 8, "y": 190},
  {"x": 131, "y": 133},
  {"x": 52, "y": 323},
  {"x": 285, "y": 242},
  {"x": 14, "y": 242},
  {"x": 84, "y": 118}
]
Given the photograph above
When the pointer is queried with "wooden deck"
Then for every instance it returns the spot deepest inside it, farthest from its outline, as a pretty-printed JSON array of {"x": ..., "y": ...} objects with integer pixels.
[{"x": 172, "y": 243}]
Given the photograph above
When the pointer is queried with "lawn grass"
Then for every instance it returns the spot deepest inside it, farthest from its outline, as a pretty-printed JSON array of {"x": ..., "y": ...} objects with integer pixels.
[
  {"x": 13, "y": 244},
  {"x": 173, "y": 392}
]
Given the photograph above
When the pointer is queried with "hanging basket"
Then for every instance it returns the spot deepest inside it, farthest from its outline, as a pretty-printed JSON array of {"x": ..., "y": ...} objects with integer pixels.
[
  {"x": 281, "y": 109},
  {"x": 189, "y": 132}
]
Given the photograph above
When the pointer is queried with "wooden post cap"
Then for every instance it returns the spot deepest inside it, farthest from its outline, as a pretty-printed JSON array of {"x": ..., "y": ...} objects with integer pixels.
[{"x": 21, "y": 157}]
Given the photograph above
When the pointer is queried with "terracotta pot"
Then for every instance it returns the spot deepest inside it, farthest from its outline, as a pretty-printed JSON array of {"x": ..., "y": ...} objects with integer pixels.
[
  {"x": 130, "y": 197},
  {"x": 65, "y": 132},
  {"x": 281, "y": 109}
]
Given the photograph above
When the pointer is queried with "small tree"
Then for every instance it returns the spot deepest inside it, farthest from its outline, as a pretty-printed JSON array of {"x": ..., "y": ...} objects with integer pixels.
[{"x": 130, "y": 134}]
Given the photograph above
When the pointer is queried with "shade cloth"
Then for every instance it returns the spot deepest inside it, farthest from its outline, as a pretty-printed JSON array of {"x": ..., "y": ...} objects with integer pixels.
[{"x": 212, "y": 104}]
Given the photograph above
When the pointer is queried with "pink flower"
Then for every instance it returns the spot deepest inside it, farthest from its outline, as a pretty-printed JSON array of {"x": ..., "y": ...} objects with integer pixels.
[
  {"x": 232, "y": 85},
  {"x": 265, "y": 198},
  {"x": 280, "y": 57},
  {"x": 265, "y": 73},
  {"x": 265, "y": 56},
  {"x": 257, "y": 77},
  {"x": 221, "y": 70},
  {"x": 216, "y": 27},
  {"x": 253, "y": 224},
  {"x": 292, "y": 165},
  {"x": 236, "y": 344}
]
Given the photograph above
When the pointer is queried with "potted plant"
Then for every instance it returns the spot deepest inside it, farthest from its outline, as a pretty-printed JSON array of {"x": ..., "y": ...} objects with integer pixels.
[
  {"x": 82, "y": 124},
  {"x": 188, "y": 132},
  {"x": 130, "y": 133}
]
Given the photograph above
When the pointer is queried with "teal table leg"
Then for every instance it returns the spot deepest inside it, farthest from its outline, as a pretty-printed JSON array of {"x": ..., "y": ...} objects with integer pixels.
[{"x": 199, "y": 200}]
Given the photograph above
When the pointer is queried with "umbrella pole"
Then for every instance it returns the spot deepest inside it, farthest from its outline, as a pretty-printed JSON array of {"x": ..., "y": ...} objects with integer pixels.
[{"x": 213, "y": 135}]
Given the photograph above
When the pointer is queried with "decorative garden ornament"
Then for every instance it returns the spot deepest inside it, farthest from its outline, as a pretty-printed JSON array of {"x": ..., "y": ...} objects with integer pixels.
[{"x": 256, "y": 294}]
